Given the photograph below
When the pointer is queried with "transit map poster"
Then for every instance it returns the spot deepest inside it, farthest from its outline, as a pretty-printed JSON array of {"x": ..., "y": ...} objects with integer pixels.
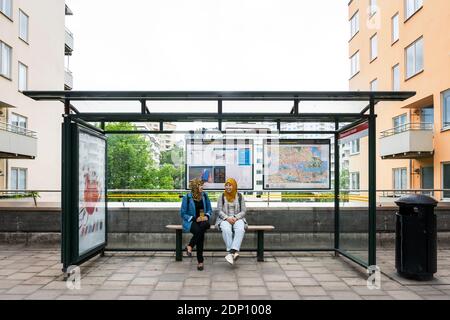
[{"x": 297, "y": 164}]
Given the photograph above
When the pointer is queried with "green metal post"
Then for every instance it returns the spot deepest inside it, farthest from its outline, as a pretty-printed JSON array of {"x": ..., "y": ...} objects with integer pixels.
[
  {"x": 372, "y": 184},
  {"x": 66, "y": 192},
  {"x": 336, "y": 188},
  {"x": 178, "y": 252},
  {"x": 260, "y": 248}
]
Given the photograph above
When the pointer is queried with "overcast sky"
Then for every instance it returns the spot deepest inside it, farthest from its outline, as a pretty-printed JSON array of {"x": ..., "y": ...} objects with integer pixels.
[{"x": 209, "y": 44}]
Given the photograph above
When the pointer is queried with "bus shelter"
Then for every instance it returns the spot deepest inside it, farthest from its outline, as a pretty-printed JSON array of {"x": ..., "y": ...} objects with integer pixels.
[{"x": 84, "y": 150}]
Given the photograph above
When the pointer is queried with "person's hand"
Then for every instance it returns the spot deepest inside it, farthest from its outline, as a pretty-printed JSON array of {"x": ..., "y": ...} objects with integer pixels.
[{"x": 232, "y": 220}]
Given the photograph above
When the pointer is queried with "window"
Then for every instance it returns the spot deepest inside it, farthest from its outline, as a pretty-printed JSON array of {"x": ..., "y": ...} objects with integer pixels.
[
  {"x": 414, "y": 58},
  {"x": 411, "y": 7},
  {"x": 399, "y": 123},
  {"x": 446, "y": 109},
  {"x": 427, "y": 115},
  {"x": 19, "y": 123},
  {"x": 23, "y": 77},
  {"x": 6, "y": 8},
  {"x": 258, "y": 160},
  {"x": 354, "y": 180},
  {"x": 400, "y": 179},
  {"x": 5, "y": 60},
  {"x": 18, "y": 179},
  {"x": 354, "y": 24},
  {"x": 396, "y": 78},
  {"x": 374, "y": 85},
  {"x": 373, "y": 7},
  {"x": 373, "y": 47},
  {"x": 354, "y": 64},
  {"x": 259, "y": 183},
  {"x": 395, "y": 28},
  {"x": 446, "y": 179},
  {"x": 23, "y": 26},
  {"x": 354, "y": 146}
]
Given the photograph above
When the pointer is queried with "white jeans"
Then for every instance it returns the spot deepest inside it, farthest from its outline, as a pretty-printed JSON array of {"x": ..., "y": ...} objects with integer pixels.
[{"x": 227, "y": 233}]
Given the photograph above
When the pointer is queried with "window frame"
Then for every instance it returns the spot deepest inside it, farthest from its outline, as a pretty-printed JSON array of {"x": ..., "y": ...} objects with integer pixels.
[
  {"x": 358, "y": 65},
  {"x": 416, "y": 71},
  {"x": 17, "y": 178},
  {"x": 371, "y": 85},
  {"x": 404, "y": 124},
  {"x": 352, "y": 143},
  {"x": 11, "y": 9},
  {"x": 445, "y": 163},
  {"x": 395, "y": 40},
  {"x": 397, "y": 66},
  {"x": 21, "y": 14},
  {"x": 371, "y": 56},
  {"x": 352, "y": 186},
  {"x": 26, "y": 76},
  {"x": 444, "y": 124},
  {"x": 9, "y": 75},
  {"x": 403, "y": 169},
  {"x": 415, "y": 9},
  {"x": 373, "y": 5},
  {"x": 357, "y": 24}
]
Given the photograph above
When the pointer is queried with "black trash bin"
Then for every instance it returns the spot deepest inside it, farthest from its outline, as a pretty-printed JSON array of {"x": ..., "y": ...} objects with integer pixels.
[{"x": 416, "y": 239}]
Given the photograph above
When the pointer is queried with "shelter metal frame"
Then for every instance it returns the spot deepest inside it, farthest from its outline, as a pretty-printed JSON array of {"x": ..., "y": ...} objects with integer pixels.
[{"x": 73, "y": 115}]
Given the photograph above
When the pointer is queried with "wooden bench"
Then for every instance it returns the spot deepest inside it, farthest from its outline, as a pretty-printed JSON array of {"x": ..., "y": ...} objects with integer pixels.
[{"x": 259, "y": 229}]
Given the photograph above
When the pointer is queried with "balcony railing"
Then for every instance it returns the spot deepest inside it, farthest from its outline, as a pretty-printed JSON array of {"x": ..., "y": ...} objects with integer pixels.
[
  {"x": 68, "y": 79},
  {"x": 15, "y": 129},
  {"x": 407, "y": 127},
  {"x": 69, "y": 42},
  {"x": 407, "y": 141}
]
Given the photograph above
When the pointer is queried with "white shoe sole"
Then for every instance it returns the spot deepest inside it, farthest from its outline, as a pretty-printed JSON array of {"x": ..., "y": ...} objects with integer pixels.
[{"x": 229, "y": 259}]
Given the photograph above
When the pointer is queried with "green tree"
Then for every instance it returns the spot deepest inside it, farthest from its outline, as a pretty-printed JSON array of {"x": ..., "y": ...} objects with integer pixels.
[
  {"x": 129, "y": 163},
  {"x": 345, "y": 179}
]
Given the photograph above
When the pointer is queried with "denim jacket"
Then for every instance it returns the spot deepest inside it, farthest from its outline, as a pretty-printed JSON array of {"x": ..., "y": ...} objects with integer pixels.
[{"x": 187, "y": 211}]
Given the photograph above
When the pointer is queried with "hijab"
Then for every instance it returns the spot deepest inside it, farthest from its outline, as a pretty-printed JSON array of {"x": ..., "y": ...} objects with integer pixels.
[
  {"x": 194, "y": 186},
  {"x": 231, "y": 196}
]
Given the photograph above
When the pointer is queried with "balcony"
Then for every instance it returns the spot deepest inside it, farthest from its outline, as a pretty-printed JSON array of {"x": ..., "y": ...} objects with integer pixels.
[
  {"x": 17, "y": 142},
  {"x": 408, "y": 141},
  {"x": 68, "y": 48},
  {"x": 68, "y": 79}
]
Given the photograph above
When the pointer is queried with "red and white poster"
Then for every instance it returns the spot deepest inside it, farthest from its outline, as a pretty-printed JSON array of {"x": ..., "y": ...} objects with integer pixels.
[{"x": 91, "y": 201}]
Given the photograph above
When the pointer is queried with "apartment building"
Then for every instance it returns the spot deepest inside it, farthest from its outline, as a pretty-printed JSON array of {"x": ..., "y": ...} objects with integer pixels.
[
  {"x": 34, "y": 47},
  {"x": 404, "y": 45}
]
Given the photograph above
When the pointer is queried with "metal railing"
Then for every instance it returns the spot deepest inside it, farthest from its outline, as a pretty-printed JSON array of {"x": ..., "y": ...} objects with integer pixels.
[
  {"x": 407, "y": 127},
  {"x": 152, "y": 196},
  {"x": 15, "y": 129}
]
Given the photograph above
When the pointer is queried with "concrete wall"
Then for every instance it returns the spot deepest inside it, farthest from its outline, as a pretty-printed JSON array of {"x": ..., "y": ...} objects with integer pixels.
[{"x": 295, "y": 228}]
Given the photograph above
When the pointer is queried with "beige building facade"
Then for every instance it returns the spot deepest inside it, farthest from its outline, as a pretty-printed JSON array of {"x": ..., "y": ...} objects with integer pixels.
[
  {"x": 404, "y": 45},
  {"x": 34, "y": 49}
]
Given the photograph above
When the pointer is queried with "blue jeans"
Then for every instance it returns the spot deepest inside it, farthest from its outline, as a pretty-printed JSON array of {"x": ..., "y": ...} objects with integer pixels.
[{"x": 233, "y": 242}]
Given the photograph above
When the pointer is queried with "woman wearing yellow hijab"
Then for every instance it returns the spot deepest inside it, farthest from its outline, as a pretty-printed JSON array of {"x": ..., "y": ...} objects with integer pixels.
[{"x": 230, "y": 220}]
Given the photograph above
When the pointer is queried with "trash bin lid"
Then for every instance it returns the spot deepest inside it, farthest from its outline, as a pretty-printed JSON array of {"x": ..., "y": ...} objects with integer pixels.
[{"x": 414, "y": 199}]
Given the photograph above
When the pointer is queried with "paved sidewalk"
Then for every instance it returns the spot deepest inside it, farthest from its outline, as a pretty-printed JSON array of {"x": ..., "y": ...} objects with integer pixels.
[{"x": 27, "y": 273}]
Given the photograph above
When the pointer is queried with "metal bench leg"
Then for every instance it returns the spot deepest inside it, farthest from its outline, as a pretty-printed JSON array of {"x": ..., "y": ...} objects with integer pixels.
[
  {"x": 178, "y": 250},
  {"x": 260, "y": 249}
]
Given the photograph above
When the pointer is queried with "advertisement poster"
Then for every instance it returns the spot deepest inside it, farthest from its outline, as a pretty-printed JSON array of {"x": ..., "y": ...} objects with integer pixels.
[
  {"x": 297, "y": 164},
  {"x": 91, "y": 201},
  {"x": 214, "y": 161}
]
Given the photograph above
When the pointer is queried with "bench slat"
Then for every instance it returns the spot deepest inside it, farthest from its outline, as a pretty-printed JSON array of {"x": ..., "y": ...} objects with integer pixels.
[{"x": 250, "y": 228}]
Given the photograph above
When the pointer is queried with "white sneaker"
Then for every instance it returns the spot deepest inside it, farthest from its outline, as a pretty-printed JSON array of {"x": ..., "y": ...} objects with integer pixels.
[
  {"x": 229, "y": 258},
  {"x": 235, "y": 256}
]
